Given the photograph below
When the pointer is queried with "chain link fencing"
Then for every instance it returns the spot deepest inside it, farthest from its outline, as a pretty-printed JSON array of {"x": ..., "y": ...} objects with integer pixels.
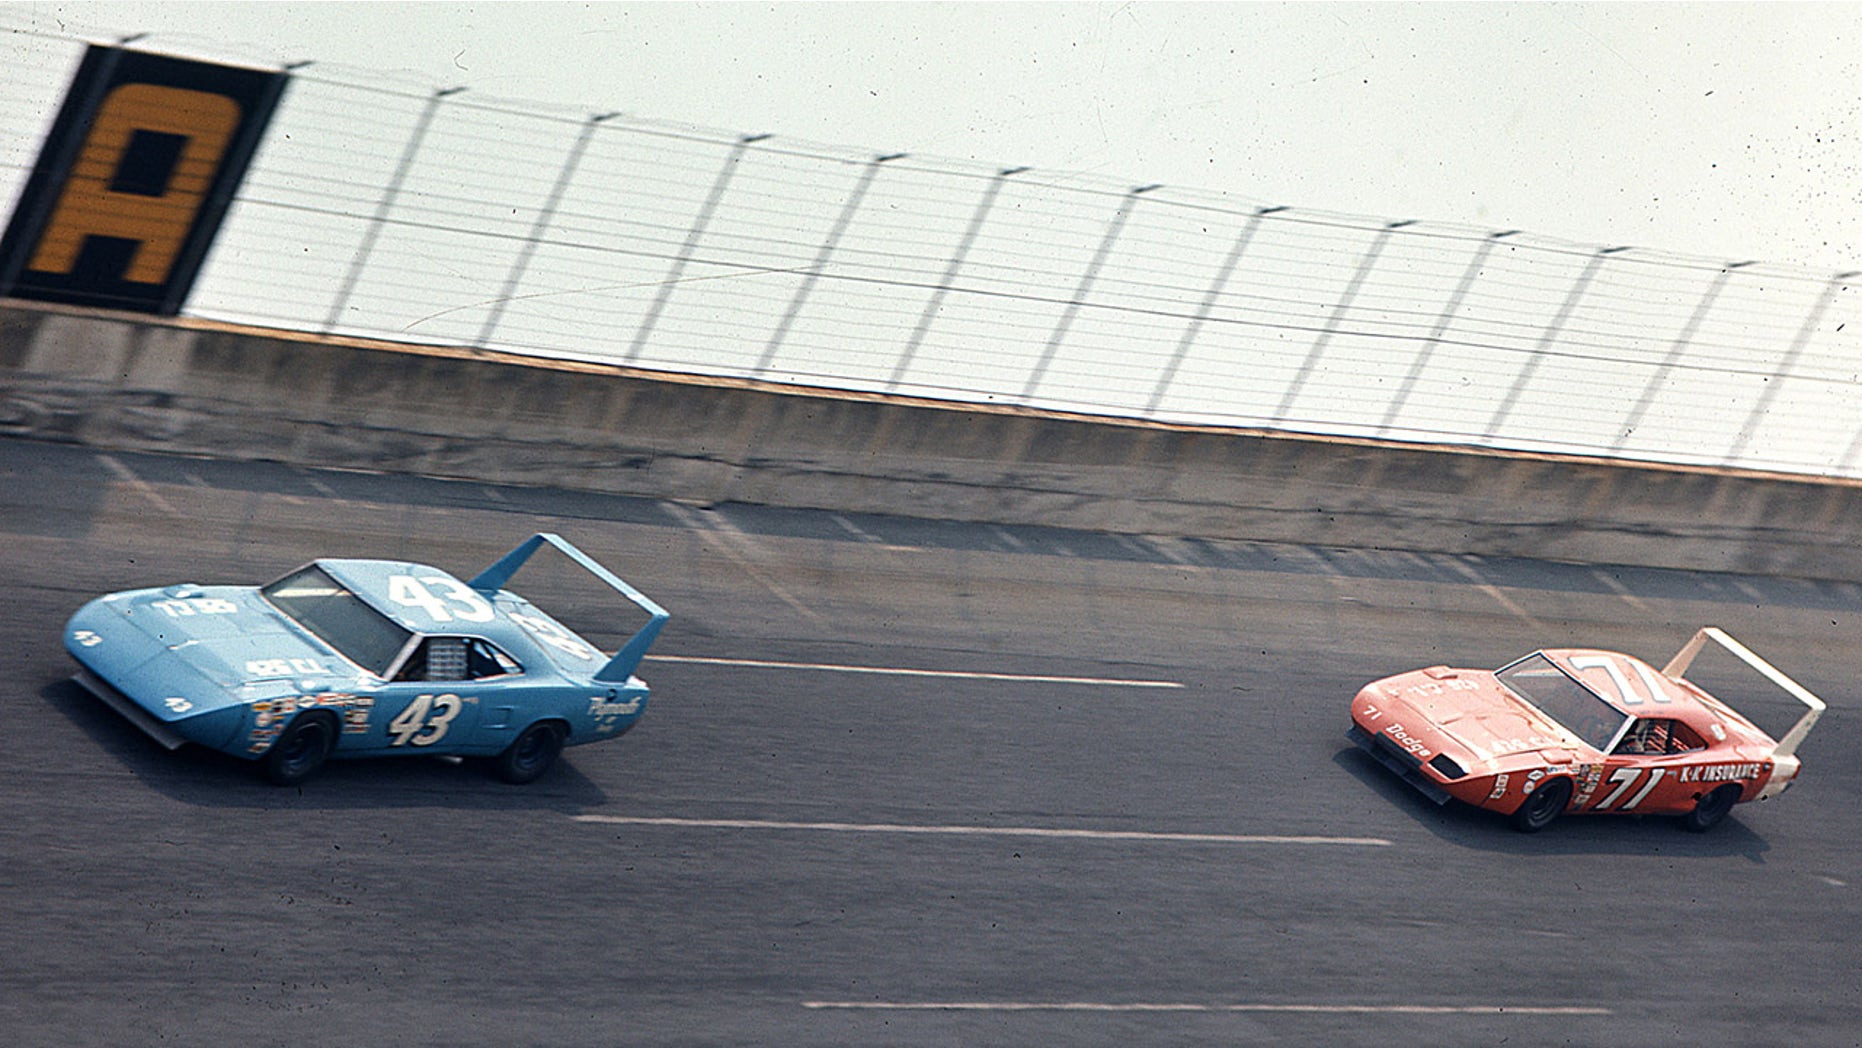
[{"x": 440, "y": 216}]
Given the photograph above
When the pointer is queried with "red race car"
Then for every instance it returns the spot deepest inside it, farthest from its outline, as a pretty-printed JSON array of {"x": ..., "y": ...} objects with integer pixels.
[{"x": 1578, "y": 730}]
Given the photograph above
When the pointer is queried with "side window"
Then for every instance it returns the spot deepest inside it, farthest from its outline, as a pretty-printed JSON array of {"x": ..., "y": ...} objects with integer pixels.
[
  {"x": 1682, "y": 738},
  {"x": 437, "y": 658},
  {"x": 1646, "y": 736},
  {"x": 1654, "y": 736},
  {"x": 484, "y": 659},
  {"x": 457, "y": 659}
]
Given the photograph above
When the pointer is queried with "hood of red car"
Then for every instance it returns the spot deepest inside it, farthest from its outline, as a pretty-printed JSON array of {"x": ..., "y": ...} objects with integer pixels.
[{"x": 1472, "y": 709}]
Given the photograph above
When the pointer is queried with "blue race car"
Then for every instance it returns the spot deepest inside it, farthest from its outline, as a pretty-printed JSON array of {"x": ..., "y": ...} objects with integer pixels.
[{"x": 363, "y": 658}]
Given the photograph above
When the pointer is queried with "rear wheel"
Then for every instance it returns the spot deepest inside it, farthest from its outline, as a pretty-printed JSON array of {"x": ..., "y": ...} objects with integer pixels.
[
  {"x": 300, "y": 750},
  {"x": 1542, "y": 805},
  {"x": 1712, "y": 808},
  {"x": 531, "y": 754}
]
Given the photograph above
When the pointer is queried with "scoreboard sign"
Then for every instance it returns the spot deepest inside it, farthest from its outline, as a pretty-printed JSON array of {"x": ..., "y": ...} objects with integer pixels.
[{"x": 133, "y": 180}]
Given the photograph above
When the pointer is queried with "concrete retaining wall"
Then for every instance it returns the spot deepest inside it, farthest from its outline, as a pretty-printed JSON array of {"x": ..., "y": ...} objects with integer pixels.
[{"x": 137, "y": 383}]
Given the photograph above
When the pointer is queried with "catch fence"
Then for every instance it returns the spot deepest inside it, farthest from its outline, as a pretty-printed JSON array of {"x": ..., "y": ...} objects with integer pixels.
[{"x": 439, "y": 216}]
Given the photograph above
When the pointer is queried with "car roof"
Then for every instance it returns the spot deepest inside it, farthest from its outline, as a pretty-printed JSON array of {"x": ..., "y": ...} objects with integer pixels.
[
  {"x": 371, "y": 580},
  {"x": 1586, "y": 665}
]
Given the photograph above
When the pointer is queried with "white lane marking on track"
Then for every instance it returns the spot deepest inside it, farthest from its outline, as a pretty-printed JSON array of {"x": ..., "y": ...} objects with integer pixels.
[
  {"x": 137, "y": 484},
  {"x": 1168, "y": 549},
  {"x": 1008, "y": 538},
  {"x": 1620, "y": 590},
  {"x": 892, "y": 671},
  {"x": 737, "y": 547},
  {"x": 855, "y": 530},
  {"x": 983, "y": 831},
  {"x": 1284, "y": 1009},
  {"x": 1481, "y": 583}
]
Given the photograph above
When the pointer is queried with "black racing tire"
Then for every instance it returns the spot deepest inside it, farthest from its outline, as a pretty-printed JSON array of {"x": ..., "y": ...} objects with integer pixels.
[
  {"x": 1543, "y": 805},
  {"x": 531, "y": 754},
  {"x": 1710, "y": 810},
  {"x": 300, "y": 750}
]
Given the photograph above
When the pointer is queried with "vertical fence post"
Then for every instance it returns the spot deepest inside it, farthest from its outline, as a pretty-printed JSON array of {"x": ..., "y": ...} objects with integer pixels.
[
  {"x": 950, "y": 275},
  {"x": 537, "y": 228},
  {"x": 1206, "y": 307},
  {"x": 826, "y": 251},
  {"x": 1334, "y": 319},
  {"x": 386, "y": 204},
  {"x": 1546, "y": 338},
  {"x": 1059, "y": 336},
  {"x": 690, "y": 247},
  {"x": 1436, "y": 334},
  {"x": 1682, "y": 343},
  {"x": 1782, "y": 373}
]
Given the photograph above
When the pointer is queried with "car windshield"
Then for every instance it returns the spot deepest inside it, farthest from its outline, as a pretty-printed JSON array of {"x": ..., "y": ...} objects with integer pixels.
[
  {"x": 315, "y": 601},
  {"x": 1560, "y": 697}
]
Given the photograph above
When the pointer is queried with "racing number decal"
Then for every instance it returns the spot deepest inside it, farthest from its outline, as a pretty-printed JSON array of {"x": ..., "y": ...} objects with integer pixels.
[
  {"x": 1624, "y": 691},
  {"x": 1626, "y": 778},
  {"x": 460, "y": 601},
  {"x": 425, "y": 720},
  {"x": 553, "y": 635}
]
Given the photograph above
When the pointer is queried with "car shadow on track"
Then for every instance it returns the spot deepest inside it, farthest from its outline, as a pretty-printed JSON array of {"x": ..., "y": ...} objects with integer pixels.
[
  {"x": 1470, "y": 827},
  {"x": 198, "y": 776}
]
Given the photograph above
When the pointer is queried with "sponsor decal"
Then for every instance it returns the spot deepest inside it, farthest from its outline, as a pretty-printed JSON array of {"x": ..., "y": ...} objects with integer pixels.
[
  {"x": 269, "y": 716},
  {"x": 283, "y": 667},
  {"x": 1499, "y": 787},
  {"x": 607, "y": 712},
  {"x": 1441, "y": 687},
  {"x": 182, "y": 608},
  {"x": 1590, "y": 776},
  {"x": 1720, "y": 772},
  {"x": 1407, "y": 741}
]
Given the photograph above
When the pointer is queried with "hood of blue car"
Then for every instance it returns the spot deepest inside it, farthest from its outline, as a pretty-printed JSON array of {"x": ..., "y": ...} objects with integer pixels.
[{"x": 229, "y": 635}]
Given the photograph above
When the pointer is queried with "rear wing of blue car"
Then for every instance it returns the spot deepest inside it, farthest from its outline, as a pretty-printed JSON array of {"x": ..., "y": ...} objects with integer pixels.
[{"x": 626, "y": 660}]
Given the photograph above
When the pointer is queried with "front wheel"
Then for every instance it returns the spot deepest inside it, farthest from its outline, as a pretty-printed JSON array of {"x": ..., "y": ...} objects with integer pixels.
[
  {"x": 1712, "y": 808},
  {"x": 1542, "y": 805},
  {"x": 300, "y": 750},
  {"x": 531, "y": 754}
]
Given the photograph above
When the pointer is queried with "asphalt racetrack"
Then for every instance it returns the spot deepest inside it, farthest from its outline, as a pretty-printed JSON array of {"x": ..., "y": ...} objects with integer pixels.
[{"x": 903, "y": 783}]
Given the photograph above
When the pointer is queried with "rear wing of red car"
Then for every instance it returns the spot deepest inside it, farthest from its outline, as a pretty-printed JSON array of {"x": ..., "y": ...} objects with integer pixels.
[
  {"x": 626, "y": 660},
  {"x": 1787, "y": 745}
]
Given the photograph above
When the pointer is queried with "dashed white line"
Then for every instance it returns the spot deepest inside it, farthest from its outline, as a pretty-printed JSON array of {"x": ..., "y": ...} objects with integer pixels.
[
  {"x": 1493, "y": 591},
  {"x": 984, "y": 831},
  {"x": 855, "y": 530},
  {"x": 140, "y": 486},
  {"x": 1621, "y": 590},
  {"x": 1008, "y": 538},
  {"x": 1283, "y": 1009},
  {"x": 894, "y": 671},
  {"x": 737, "y": 546}
]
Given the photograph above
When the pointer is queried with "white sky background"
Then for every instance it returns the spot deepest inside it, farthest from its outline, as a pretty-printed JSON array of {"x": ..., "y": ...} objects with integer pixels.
[{"x": 1731, "y": 131}]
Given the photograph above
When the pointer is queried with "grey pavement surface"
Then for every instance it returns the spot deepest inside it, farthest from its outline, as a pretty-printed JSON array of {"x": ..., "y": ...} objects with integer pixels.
[{"x": 738, "y": 870}]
